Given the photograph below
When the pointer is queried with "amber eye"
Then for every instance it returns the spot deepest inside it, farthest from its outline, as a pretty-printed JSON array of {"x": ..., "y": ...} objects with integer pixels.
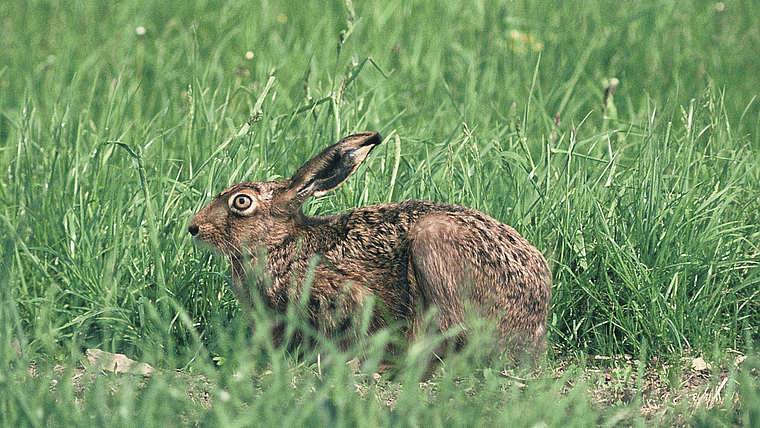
[{"x": 241, "y": 202}]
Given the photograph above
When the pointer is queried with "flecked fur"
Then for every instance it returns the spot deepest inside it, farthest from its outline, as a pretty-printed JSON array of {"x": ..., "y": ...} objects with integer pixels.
[{"x": 412, "y": 256}]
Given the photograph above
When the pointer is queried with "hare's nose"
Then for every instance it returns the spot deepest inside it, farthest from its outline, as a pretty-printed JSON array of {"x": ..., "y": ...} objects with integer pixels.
[{"x": 193, "y": 229}]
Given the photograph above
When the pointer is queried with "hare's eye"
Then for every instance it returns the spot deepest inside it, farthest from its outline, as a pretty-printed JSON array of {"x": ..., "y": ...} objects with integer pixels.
[{"x": 242, "y": 202}]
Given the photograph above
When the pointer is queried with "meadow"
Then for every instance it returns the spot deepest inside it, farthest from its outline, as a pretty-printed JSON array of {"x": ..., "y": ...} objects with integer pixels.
[{"x": 621, "y": 139}]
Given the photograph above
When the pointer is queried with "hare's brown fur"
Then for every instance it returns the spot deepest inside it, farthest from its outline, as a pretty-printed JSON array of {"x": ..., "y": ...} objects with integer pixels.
[{"x": 412, "y": 256}]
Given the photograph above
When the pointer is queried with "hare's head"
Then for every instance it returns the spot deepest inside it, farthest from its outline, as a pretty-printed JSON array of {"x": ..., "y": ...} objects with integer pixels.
[{"x": 253, "y": 214}]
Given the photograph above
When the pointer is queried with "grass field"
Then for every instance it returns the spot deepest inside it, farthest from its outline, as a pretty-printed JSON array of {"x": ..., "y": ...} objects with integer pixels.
[{"x": 621, "y": 139}]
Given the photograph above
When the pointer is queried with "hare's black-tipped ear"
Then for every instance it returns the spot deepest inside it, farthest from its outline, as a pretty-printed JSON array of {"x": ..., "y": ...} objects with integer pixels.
[{"x": 333, "y": 166}]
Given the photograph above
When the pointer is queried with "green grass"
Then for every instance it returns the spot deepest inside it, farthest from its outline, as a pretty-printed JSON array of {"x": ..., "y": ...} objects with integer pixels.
[{"x": 647, "y": 209}]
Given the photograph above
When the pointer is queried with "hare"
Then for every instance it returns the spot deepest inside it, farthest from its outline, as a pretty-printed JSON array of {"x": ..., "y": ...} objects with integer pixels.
[{"x": 410, "y": 257}]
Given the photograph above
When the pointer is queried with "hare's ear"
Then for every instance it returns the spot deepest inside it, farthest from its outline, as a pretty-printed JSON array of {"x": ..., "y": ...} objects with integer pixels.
[{"x": 333, "y": 165}]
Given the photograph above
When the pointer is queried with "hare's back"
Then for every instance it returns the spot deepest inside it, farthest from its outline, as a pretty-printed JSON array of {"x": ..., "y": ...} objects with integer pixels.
[
  {"x": 478, "y": 239},
  {"x": 458, "y": 253},
  {"x": 451, "y": 244}
]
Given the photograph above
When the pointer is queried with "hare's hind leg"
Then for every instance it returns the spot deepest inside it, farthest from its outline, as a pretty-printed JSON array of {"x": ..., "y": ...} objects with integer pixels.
[{"x": 439, "y": 270}]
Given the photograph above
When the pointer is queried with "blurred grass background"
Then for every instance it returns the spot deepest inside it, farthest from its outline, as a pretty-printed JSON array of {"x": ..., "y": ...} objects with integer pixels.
[{"x": 119, "y": 121}]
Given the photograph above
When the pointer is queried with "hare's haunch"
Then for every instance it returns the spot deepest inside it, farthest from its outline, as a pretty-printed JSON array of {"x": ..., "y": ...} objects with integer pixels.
[{"x": 411, "y": 256}]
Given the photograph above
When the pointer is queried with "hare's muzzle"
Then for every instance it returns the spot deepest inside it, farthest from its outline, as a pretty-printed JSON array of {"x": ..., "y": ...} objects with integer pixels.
[{"x": 193, "y": 229}]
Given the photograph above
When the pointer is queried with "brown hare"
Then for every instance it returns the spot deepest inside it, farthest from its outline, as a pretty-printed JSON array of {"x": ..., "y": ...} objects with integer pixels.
[{"x": 412, "y": 256}]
